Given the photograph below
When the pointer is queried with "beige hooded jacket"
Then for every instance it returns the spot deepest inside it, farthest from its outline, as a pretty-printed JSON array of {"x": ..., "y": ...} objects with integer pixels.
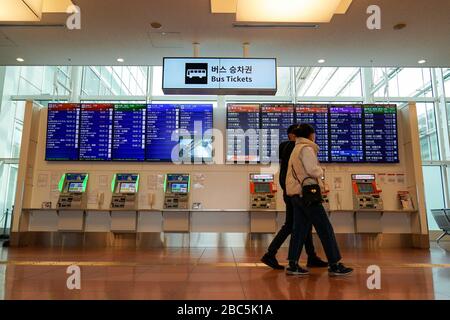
[{"x": 303, "y": 163}]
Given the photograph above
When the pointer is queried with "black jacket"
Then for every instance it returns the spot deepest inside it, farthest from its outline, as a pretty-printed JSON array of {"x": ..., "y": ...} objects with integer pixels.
[{"x": 284, "y": 153}]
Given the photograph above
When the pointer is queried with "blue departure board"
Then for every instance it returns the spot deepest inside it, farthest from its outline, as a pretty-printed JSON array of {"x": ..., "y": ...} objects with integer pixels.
[
  {"x": 243, "y": 125},
  {"x": 162, "y": 121},
  {"x": 174, "y": 132},
  {"x": 380, "y": 134},
  {"x": 275, "y": 120},
  {"x": 129, "y": 132},
  {"x": 62, "y": 131},
  {"x": 96, "y": 126},
  {"x": 197, "y": 121},
  {"x": 346, "y": 134},
  {"x": 316, "y": 116}
]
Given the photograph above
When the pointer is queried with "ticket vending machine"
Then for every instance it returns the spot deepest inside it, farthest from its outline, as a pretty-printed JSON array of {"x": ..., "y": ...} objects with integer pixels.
[
  {"x": 176, "y": 191},
  {"x": 72, "y": 188},
  {"x": 366, "y": 195},
  {"x": 262, "y": 191},
  {"x": 124, "y": 187}
]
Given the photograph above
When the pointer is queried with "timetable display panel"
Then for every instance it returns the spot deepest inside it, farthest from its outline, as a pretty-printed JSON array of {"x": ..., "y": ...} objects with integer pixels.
[
  {"x": 176, "y": 131},
  {"x": 380, "y": 134},
  {"x": 316, "y": 116},
  {"x": 170, "y": 132},
  {"x": 346, "y": 134},
  {"x": 243, "y": 125},
  {"x": 275, "y": 120},
  {"x": 63, "y": 125},
  {"x": 129, "y": 132},
  {"x": 96, "y": 126},
  {"x": 197, "y": 121},
  {"x": 162, "y": 121}
]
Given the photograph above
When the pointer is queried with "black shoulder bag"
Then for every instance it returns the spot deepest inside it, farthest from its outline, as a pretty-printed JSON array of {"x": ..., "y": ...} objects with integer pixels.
[{"x": 311, "y": 193}]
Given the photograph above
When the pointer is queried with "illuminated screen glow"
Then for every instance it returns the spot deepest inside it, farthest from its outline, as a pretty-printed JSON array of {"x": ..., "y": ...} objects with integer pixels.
[{"x": 75, "y": 187}]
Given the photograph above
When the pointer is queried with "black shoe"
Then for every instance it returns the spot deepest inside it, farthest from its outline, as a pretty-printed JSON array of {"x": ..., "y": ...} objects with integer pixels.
[
  {"x": 316, "y": 262},
  {"x": 296, "y": 270},
  {"x": 272, "y": 262},
  {"x": 339, "y": 270}
]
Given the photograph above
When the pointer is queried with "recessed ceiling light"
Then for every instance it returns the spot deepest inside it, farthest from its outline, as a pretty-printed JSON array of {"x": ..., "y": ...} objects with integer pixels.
[
  {"x": 156, "y": 25},
  {"x": 321, "y": 61},
  {"x": 120, "y": 60},
  {"x": 400, "y": 26},
  {"x": 422, "y": 61},
  {"x": 20, "y": 59}
]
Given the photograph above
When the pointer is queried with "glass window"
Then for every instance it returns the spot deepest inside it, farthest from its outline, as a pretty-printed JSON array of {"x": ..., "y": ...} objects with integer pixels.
[
  {"x": 91, "y": 82},
  {"x": 446, "y": 73},
  {"x": 328, "y": 82},
  {"x": 114, "y": 81},
  {"x": 427, "y": 131},
  {"x": 403, "y": 82},
  {"x": 284, "y": 82},
  {"x": 8, "y": 176},
  {"x": 434, "y": 192},
  {"x": 11, "y": 126}
]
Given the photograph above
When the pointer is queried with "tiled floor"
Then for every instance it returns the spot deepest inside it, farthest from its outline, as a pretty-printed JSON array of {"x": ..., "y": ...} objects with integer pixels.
[{"x": 209, "y": 273}]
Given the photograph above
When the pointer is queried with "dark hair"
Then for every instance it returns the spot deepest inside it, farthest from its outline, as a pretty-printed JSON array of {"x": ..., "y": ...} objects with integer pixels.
[
  {"x": 292, "y": 128},
  {"x": 304, "y": 130}
]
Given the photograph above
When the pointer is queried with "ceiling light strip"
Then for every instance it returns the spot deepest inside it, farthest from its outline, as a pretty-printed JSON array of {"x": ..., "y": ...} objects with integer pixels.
[{"x": 275, "y": 25}]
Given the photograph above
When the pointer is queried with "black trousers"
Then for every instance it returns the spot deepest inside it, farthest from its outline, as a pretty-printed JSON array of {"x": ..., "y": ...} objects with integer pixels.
[
  {"x": 304, "y": 218},
  {"x": 286, "y": 231}
]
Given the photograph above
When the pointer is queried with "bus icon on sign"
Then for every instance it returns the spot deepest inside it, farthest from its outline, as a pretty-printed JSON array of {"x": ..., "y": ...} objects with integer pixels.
[
  {"x": 199, "y": 73},
  {"x": 196, "y": 73}
]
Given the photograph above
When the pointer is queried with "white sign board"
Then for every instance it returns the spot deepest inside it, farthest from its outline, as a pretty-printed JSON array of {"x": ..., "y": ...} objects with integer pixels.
[{"x": 240, "y": 76}]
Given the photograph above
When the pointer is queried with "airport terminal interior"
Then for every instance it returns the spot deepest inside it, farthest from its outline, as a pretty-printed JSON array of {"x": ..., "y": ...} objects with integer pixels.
[{"x": 140, "y": 142}]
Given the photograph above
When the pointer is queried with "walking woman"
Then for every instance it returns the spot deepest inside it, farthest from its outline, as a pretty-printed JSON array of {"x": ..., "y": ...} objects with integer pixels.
[{"x": 304, "y": 183}]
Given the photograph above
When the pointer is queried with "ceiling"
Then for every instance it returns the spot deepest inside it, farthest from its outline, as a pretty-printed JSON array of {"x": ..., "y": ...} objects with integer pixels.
[{"x": 115, "y": 28}]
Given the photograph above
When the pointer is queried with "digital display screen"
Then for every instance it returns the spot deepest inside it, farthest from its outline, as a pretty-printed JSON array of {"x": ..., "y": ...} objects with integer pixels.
[
  {"x": 344, "y": 133},
  {"x": 129, "y": 132},
  {"x": 275, "y": 120},
  {"x": 365, "y": 188},
  {"x": 261, "y": 177},
  {"x": 162, "y": 121},
  {"x": 75, "y": 187},
  {"x": 243, "y": 125},
  {"x": 380, "y": 131},
  {"x": 96, "y": 132},
  {"x": 178, "y": 177},
  {"x": 197, "y": 122},
  {"x": 262, "y": 187},
  {"x": 127, "y": 187},
  {"x": 316, "y": 116},
  {"x": 63, "y": 125},
  {"x": 177, "y": 131},
  {"x": 179, "y": 187}
]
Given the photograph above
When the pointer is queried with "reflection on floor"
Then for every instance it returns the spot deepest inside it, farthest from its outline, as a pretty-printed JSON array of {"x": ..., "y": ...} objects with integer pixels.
[{"x": 215, "y": 273}]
